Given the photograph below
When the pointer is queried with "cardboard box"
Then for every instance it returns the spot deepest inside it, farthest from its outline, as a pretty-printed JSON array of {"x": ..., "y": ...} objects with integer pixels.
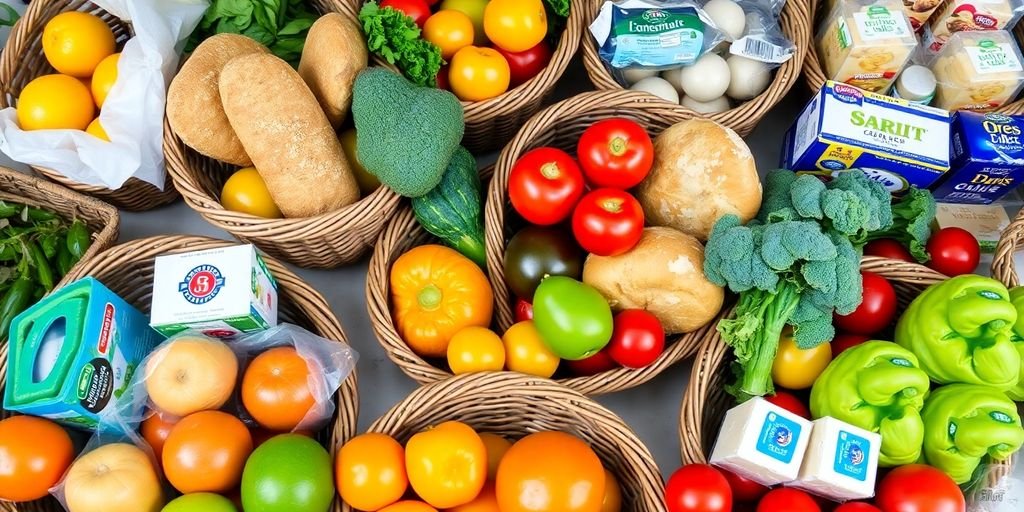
[{"x": 988, "y": 158}]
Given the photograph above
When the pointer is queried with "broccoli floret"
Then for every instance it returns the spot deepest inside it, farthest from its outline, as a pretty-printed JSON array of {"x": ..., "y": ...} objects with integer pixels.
[
  {"x": 874, "y": 198},
  {"x": 776, "y": 204},
  {"x": 847, "y": 211},
  {"x": 405, "y": 135},
  {"x": 809, "y": 331},
  {"x": 805, "y": 194},
  {"x": 912, "y": 222},
  {"x": 785, "y": 243}
]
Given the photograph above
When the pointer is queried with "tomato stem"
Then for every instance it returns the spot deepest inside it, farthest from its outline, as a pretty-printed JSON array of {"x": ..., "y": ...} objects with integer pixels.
[
  {"x": 611, "y": 205},
  {"x": 429, "y": 297},
  {"x": 617, "y": 146},
  {"x": 550, "y": 170}
]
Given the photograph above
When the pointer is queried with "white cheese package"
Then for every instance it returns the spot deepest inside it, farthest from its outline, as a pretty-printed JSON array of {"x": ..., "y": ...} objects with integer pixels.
[
  {"x": 978, "y": 71},
  {"x": 762, "y": 442},
  {"x": 841, "y": 462}
]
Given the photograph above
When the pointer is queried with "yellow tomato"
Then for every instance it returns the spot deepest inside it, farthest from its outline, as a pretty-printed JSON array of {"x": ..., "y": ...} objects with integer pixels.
[
  {"x": 612, "y": 501},
  {"x": 525, "y": 351},
  {"x": 103, "y": 78},
  {"x": 478, "y": 74},
  {"x": 796, "y": 368},
  {"x": 53, "y": 102},
  {"x": 96, "y": 130},
  {"x": 515, "y": 25},
  {"x": 408, "y": 506},
  {"x": 475, "y": 10},
  {"x": 486, "y": 501},
  {"x": 367, "y": 182},
  {"x": 447, "y": 465},
  {"x": 370, "y": 471},
  {"x": 496, "y": 448},
  {"x": 450, "y": 30},
  {"x": 475, "y": 349},
  {"x": 246, "y": 192},
  {"x": 75, "y": 42}
]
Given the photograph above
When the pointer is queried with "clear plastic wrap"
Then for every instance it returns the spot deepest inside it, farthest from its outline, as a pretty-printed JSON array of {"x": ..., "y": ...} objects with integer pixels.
[
  {"x": 763, "y": 39},
  {"x": 978, "y": 71},
  {"x": 865, "y": 43}
]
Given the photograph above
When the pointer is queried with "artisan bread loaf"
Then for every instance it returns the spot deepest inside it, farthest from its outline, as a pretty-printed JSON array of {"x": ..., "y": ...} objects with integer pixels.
[
  {"x": 335, "y": 52},
  {"x": 287, "y": 135},
  {"x": 193, "y": 100}
]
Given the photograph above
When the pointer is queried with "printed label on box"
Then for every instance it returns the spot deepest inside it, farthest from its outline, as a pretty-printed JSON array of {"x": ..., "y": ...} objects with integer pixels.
[
  {"x": 779, "y": 436},
  {"x": 852, "y": 456}
]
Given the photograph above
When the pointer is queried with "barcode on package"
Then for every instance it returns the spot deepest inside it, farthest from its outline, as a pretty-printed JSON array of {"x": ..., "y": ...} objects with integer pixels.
[{"x": 761, "y": 50}]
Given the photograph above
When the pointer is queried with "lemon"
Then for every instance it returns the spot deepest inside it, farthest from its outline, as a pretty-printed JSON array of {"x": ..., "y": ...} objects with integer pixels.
[
  {"x": 103, "y": 78},
  {"x": 96, "y": 129},
  {"x": 55, "y": 102},
  {"x": 75, "y": 42},
  {"x": 246, "y": 192}
]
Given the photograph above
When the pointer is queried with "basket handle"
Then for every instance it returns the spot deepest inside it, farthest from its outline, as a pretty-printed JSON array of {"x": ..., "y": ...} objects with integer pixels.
[{"x": 1002, "y": 261}]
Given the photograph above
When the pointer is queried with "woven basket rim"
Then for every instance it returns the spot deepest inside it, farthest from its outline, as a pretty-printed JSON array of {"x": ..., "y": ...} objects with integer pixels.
[
  {"x": 796, "y": 23},
  {"x": 1010, "y": 240}
]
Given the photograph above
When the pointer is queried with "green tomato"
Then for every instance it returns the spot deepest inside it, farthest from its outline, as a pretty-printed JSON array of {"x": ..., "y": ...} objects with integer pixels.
[
  {"x": 475, "y": 10},
  {"x": 537, "y": 252},
  {"x": 288, "y": 473},
  {"x": 573, "y": 318},
  {"x": 200, "y": 502}
]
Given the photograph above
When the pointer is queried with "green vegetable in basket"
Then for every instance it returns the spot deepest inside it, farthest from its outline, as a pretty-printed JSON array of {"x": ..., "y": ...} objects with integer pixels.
[
  {"x": 961, "y": 330},
  {"x": 453, "y": 210},
  {"x": 405, "y": 135},
  {"x": 912, "y": 217},
  {"x": 964, "y": 424},
  {"x": 280, "y": 25},
  {"x": 877, "y": 386},
  {"x": 1017, "y": 298},
  {"x": 394, "y": 36}
]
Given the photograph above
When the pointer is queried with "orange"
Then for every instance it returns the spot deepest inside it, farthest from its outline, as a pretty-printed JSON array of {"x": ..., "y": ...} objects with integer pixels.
[
  {"x": 409, "y": 506},
  {"x": 103, "y": 78},
  {"x": 526, "y": 352},
  {"x": 206, "y": 452},
  {"x": 53, "y": 102},
  {"x": 75, "y": 42},
  {"x": 475, "y": 349},
  {"x": 447, "y": 465},
  {"x": 449, "y": 30},
  {"x": 612, "y": 501},
  {"x": 370, "y": 471},
  {"x": 96, "y": 130},
  {"x": 275, "y": 389},
  {"x": 486, "y": 501},
  {"x": 550, "y": 472},
  {"x": 496, "y": 446},
  {"x": 34, "y": 453},
  {"x": 155, "y": 430}
]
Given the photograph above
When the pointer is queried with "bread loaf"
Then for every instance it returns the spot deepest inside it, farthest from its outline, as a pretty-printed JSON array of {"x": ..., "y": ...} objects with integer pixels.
[
  {"x": 335, "y": 52},
  {"x": 193, "y": 100},
  {"x": 283, "y": 129}
]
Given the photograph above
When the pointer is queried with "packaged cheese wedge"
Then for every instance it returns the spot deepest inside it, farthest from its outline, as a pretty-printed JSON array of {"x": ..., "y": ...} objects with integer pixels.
[
  {"x": 978, "y": 71},
  {"x": 865, "y": 43},
  {"x": 970, "y": 16}
]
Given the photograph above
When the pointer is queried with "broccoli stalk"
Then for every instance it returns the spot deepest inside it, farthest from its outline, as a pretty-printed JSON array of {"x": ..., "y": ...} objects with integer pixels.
[
  {"x": 754, "y": 333},
  {"x": 912, "y": 222}
]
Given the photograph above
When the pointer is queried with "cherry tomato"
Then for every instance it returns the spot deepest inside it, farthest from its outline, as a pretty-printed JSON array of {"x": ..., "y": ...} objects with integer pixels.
[
  {"x": 637, "y": 339},
  {"x": 608, "y": 222},
  {"x": 845, "y": 340},
  {"x": 442, "y": 78},
  {"x": 593, "y": 365},
  {"x": 527, "y": 64},
  {"x": 954, "y": 251},
  {"x": 544, "y": 186},
  {"x": 857, "y": 506},
  {"x": 888, "y": 248},
  {"x": 478, "y": 74},
  {"x": 876, "y": 310},
  {"x": 698, "y": 488},
  {"x": 743, "y": 489},
  {"x": 787, "y": 499},
  {"x": 919, "y": 488},
  {"x": 789, "y": 402},
  {"x": 524, "y": 310},
  {"x": 449, "y": 30},
  {"x": 418, "y": 10},
  {"x": 798, "y": 368},
  {"x": 615, "y": 153}
]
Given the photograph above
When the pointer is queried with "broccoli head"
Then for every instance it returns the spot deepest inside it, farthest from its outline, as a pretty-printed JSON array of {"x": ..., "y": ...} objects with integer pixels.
[{"x": 912, "y": 222}]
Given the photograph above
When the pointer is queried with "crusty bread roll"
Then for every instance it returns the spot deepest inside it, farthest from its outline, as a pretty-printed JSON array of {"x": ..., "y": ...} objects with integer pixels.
[
  {"x": 702, "y": 171},
  {"x": 335, "y": 52},
  {"x": 663, "y": 274},
  {"x": 193, "y": 99},
  {"x": 283, "y": 129}
]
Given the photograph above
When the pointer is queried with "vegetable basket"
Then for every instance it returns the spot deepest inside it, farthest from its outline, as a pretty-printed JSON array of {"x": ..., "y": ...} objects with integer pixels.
[
  {"x": 512, "y": 405},
  {"x": 491, "y": 123},
  {"x": 127, "y": 269},
  {"x": 22, "y": 61},
  {"x": 795, "y": 21}
]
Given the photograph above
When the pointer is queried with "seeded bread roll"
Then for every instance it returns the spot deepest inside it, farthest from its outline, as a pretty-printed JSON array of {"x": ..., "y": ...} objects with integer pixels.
[
  {"x": 283, "y": 129},
  {"x": 334, "y": 53},
  {"x": 193, "y": 99}
]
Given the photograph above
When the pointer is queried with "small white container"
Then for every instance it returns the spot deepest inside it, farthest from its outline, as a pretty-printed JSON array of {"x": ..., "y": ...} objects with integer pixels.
[
  {"x": 841, "y": 462},
  {"x": 916, "y": 84},
  {"x": 762, "y": 442}
]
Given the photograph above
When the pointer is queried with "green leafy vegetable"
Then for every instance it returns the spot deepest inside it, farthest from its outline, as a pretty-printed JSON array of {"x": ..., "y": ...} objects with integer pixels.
[
  {"x": 394, "y": 36},
  {"x": 8, "y": 16},
  {"x": 559, "y": 7},
  {"x": 912, "y": 217},
  {"x": 280, "y": 25}
]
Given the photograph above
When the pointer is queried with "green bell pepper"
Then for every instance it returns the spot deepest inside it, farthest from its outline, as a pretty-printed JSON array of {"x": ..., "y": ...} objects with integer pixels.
[
  {"x": 963, "y": 423},
  {"x": 1017, "y": 298},
  {"x": 879, "y": 387},
  {"x": 960, "y": 329}
]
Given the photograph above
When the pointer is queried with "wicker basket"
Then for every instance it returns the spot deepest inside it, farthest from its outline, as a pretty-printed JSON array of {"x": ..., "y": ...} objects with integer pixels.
[
  {"x": 127, "y": 269},
  {"x": 491, "y": 123},
  {"x": 796, "y": 23},
  {"x": 22, "y": 61},
  {"x": 512, "y": 405}
]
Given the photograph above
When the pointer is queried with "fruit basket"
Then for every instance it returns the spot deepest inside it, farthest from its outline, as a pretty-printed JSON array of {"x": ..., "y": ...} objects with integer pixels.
[
  {"x": 23, "y": 60},
  {"x": 796, "y": 24},
  {"x": 531, "y": 405}
]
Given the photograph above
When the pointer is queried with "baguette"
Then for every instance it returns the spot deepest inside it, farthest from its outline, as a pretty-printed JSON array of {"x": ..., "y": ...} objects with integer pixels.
[
  {"x": 287, "y": 135},
  {"x": 335, "y": 52}
]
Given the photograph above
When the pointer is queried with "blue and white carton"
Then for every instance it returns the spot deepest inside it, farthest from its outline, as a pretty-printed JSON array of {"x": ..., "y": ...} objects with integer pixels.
[
  {"x": 841, "y": 461},
  {"x": 987, "y": 161},
  {"x": 762, "y": 441}
]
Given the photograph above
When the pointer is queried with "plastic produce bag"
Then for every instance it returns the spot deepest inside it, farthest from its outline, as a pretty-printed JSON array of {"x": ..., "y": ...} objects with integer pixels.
[
  {"x": 133, "y": 113},
  {"x": 763, "y": 39},
  {"x": 653, "y": 34}
]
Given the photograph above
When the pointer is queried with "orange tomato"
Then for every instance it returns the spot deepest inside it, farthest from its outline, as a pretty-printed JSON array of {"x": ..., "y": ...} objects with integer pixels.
[
  {"x": 449, "y": 30},
  {"x": 408, "y": 506},
  {"x": 612, "y": 501},
  {"x": 477, "y": 74},
  {"x": 515, "y": 25},
  {"x": 550, "y": 472},
  {"x": 155, "y": 430},
  {"x": 447, "y": 464},
  {"x": 370, "y": 471},
  {"x": 526, "y": 352},
  {"x": 476, "y": 349},
  {"x": 496, "y": 446},
  {"x": 275, "y": 389},
  {"x": 486, "y": 501},
  {"x": 436, "y": 292},
  {"x": 34, "y": 453},
  {"x": 206, "y": 451}
]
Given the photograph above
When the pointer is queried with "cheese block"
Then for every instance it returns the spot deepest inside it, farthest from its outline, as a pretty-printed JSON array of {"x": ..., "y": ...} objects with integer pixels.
[
  {"x": 841, "y": 462},
  {"x": 865, "y": 43},
  {"x": 978, "y": 71},
  {"x": 918, "y": 11},
  {"x": 762, "y": 441},
  {"x": 970, "y": 16}
]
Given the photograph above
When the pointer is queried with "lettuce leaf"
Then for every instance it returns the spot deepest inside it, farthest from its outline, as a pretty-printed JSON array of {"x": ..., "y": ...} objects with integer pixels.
[
  {"x": 280, "y": 25},
  {"x": 394, "y": 36}
]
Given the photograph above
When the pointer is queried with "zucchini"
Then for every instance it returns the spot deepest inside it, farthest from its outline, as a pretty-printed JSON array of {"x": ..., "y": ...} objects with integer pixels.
[{"x": 453, "y": 210}]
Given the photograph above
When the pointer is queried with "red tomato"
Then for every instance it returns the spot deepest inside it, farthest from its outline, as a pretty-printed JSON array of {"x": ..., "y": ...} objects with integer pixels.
[
  {"x": 888, "y": 248},
  {"x": 743, "y": 489},
  {"x": 524, "y": 311},
  {"x": 954, "y": 251},
  {"x": 789, "y": 402},
  {"x": 544, "y": 186},
  {"x": 442, "y": 78},
  {"x": 608, "y": 222},
  {"x": 787, "y": 499},
  {"x": 919, "y": 488},
  {"x": 527, "y": 64},
  {"x": 845, "y": 340},
  {"x": 593, "y": 365},
  {"x": 637, "y": 339},
  {"x": 857, "y": 506},
  {"x": 698, "y": 488},
  {"x": 418, "y": 10},
  {"x": 615, "y": 153},
  {"x": 877, "y": 308}
]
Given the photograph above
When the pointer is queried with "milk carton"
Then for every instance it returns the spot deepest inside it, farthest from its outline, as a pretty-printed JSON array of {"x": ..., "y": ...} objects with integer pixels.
[
  {"x": 762, "y": 441},
  {"x": 841, "y": 462},
  {"x": 221, "y": 292}
]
